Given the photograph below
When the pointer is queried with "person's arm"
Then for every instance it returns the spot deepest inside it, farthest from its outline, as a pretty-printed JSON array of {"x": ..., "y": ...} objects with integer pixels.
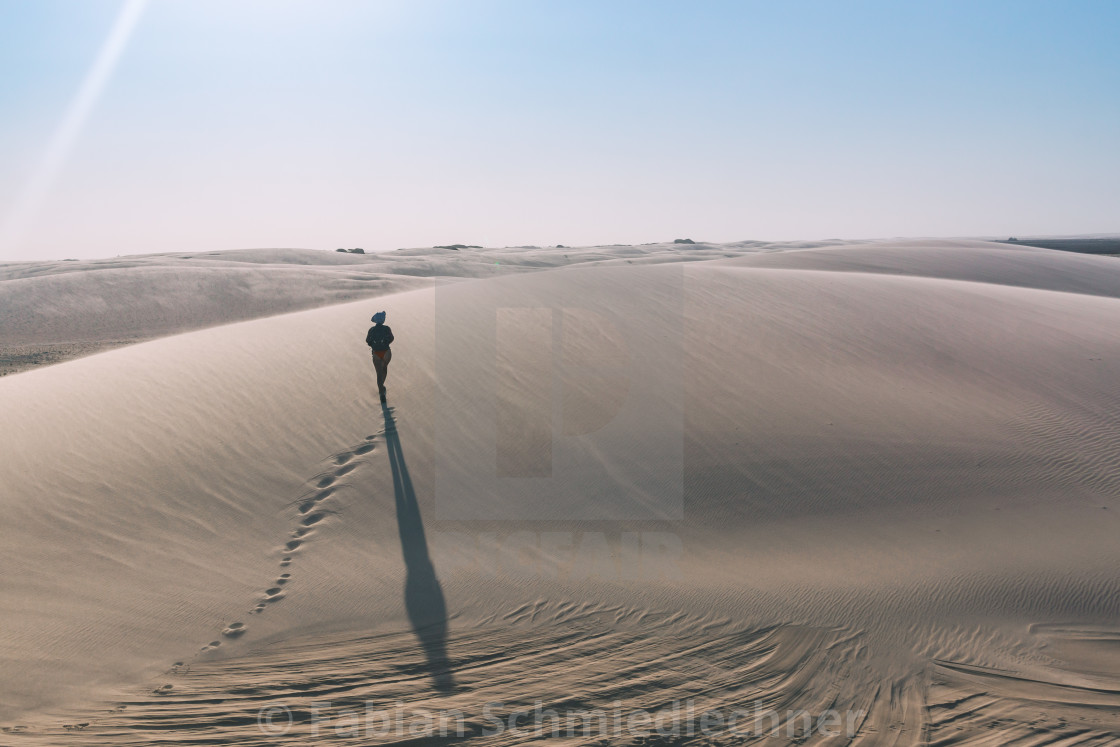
[
  {"x": 369, "y": 336},
  {"x": 390, "y": 331}
]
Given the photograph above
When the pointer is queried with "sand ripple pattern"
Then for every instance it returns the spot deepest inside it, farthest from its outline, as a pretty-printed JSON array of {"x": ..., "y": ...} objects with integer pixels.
[
  {"x": 570, "y": 657},
  {"x": 573, "y": 658},
  {"x": 1077, "y": 444}
]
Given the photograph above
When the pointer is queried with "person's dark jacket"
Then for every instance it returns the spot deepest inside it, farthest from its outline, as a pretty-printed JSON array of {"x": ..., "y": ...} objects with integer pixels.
[{"x": 379, "y": 337}]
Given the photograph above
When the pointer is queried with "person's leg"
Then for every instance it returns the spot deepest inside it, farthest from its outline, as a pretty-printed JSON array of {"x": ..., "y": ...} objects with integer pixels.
[{"x": 379, "y": 366}]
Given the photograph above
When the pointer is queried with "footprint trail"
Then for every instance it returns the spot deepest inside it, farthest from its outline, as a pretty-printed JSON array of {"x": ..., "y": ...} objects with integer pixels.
[{"x": 313, "y": 508}]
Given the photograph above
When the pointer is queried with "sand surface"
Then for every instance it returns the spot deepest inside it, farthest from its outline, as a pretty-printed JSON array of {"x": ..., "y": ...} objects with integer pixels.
[{"x": 873, "y": 478}]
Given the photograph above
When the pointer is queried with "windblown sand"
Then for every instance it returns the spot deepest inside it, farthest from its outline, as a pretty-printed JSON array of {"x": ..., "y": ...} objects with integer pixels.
[{"x": 875, "y": 478}]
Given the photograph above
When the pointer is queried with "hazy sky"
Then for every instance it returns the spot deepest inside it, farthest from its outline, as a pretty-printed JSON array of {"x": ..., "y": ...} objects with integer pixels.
[{"x": 170, "y": 125}]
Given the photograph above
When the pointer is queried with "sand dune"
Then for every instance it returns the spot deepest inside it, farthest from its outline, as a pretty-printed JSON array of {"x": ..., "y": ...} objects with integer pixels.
[
  {"x": 56, "y": 311},
  {"x": 873, "y": 479},
  {"x": 971, "y": 261}
]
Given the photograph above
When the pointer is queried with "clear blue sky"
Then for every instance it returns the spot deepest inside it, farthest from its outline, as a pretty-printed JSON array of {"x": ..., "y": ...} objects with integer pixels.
[{"x": 385, "y": 123}]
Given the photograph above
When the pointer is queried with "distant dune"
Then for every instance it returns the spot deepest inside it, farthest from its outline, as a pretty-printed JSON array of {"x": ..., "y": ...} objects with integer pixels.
[
  {"x": 57, "y": 311},
  {"x": 878, "y": 480},
  {"x": 1084, "y": 245}
]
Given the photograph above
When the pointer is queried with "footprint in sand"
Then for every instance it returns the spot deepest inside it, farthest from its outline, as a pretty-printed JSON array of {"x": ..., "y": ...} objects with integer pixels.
[
  {"x": 365, "y": 449},
  {"x": 293, "y": 545},
  {"x": 306, "y": 504},
  {"x": 285, "y": 562},
  {"x": 211, "y": 645},
  {"x": 326, "y": 481},
  {"x": 163, "y": 690},
  {"x": 275, "y": 594},
  {"x": 314, "y": 518},
  {"x": 284, "y": 578},
  {"x": 179, "y": 668},
  {"x": 234, "y": 630}
]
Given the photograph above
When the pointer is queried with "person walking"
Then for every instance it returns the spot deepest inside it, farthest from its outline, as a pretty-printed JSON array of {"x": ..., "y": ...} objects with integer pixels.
[{"x": 379, "y": 338}]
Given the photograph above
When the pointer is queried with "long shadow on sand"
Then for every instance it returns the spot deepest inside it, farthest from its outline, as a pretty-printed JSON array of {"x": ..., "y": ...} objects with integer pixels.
[{"x": 423, "y": 597}]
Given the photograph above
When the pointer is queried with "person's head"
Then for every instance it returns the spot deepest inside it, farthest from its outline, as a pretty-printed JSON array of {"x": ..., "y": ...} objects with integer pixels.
[{"x": 378, "y": 318}]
